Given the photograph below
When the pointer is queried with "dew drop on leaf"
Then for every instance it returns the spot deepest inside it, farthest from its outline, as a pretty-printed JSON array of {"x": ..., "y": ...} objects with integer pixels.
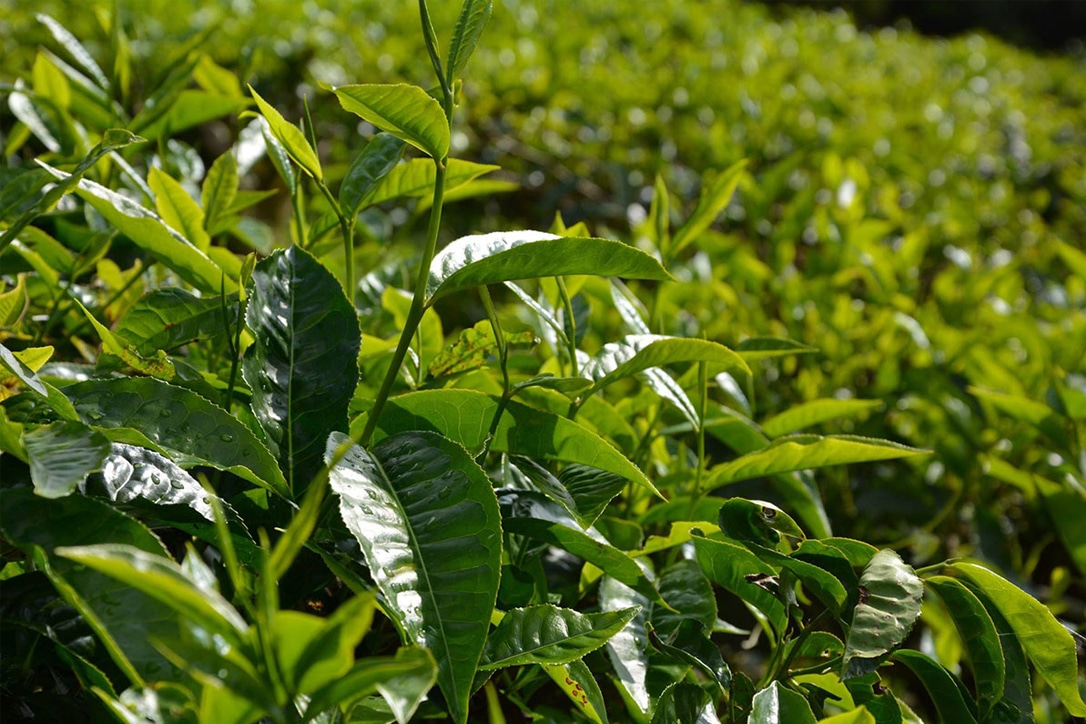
[{"x": 226, "y": 437}]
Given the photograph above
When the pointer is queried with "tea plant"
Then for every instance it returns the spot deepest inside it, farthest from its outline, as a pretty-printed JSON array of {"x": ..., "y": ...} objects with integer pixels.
[{"x": 240, "y": 489}]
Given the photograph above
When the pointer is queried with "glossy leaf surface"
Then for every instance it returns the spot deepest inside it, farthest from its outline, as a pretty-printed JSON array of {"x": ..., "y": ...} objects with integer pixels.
[
  {"x": 302, "y": 366},
  {"x": 428, "y": 523},
  {"x": 192, "y": 430},
  {"x": 129, "y": 473},
  {"x": 639, "y": 352},
  {"x": 549, "y": 635},
  {"x": 628, "y": 649},
  {"x": 369, "y": 167},
  {"x": 165, "y": 319},
  {"x": 776, "y": 704},
  {"x": 472, "y": 261},
  {"x": 940, "y": 684},
  {"x": 402, "y": 680}
]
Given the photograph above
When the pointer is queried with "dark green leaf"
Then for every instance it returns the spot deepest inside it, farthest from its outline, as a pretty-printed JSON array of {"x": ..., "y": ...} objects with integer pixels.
[
  {"x": 466, "y": 415},
  {"x": 800, "y": 452},
  {"x": 684, "y": 702},
  {"x": 890, "y": 596},
  {"x": 429, "y": 526},
  {"x": 582, "y": 490},
  {"x": 549, "y": 635},
  {"x": 302, "y": 366},
  {"x": 405, "y": 111},
  {"x": 944, "y": 693},
  {"x": 689, "y": 594},
  {"x": 628, "y": 649},
  {"x": 737, "y": 570},
  {"x": 370, "y": 166},
  {"x": 979, "y": 638},
  {"x": 1047, "y": 643},
  {"x": 189, "y": 428},
  {"x": 777, "y": 705},
  {"x": 535, "y": 516},
  {"x": 165, "y": 319},
  {"x": 61, "y": 456},
  {"x": 689, "y": 642},
  {"x": 122, "y": 617},
  {"x": 756, "y": 521},
  {"x": 473, "y": 261},
  {"x": 131, "y": 472}
]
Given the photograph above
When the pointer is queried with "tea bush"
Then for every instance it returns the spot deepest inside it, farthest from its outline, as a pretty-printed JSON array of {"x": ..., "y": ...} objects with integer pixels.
[{"x": 294, "y": 427}]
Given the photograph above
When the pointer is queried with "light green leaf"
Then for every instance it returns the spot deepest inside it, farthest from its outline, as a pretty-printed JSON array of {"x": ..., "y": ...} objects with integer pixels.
[
  {"x": 177, "y": 421},
  {"x": 549, "y": 635},
  {"x": 368, "y": 169},
  {"x": 812, "y": 413},
  {"x": 576, "y": 680},
  {"x": 1048, "y": 644},
  {"x": 61, "y": 456},
  {"x": 21, "y": 371},
  {"x": 979, "y": 637},
  {"x": 406, "y": 111},
  {"x": 165, "y": 319},
  {"x": 160, "y": 367},
  {"x": 469, "y": 27},
  {"x": 756, "y": 348},
  {"x": 291, "y": 138},
  {"x": 311, "y": 651},
  {"x": 940, "y": 684},
  {"x": 466, "y": 415},
  {"x": 302, "y": 367},
  {"x": 151, "y": 234},
  {"x": 890, "y": 596},
  {"x": 430, "y": 530},
  {"x": 160, "y": 578},
  {"x": 416, "y": 179},
  {"x": 75, "y": 50},
  {"x": 1038, "y": 414},
  {"x": 859, "y": 715},
  {"x": 402, "y": 680},
  {"x": 640, "y": 352},
  {"x": 714, "y": 197},
  {"x": 801, "y": 452},
  {"x": 1074, "y": 258},
  {"x": 777, "y": 705},
  {"x": 112, "y": 140},
  {"x": 502, "y": 256},
  {"x": 218, "y": 191},
  {"x": 177, "y": 209}
]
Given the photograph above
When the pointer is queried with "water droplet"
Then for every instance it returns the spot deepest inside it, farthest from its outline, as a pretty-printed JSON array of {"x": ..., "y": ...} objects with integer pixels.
[
  {"x": 366, "y": 509},
  {"x": 444, "y": 493},
  {"x": 164, "y": 413},
  {"x": 95, "y": 414},
  {"x": 226, "y": 437},
  {"x": 176, "y": 484}
]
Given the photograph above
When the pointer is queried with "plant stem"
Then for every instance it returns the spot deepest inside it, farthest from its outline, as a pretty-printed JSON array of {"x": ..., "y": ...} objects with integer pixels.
[
  {"x": 347, "y": 227},
  {"x": 414, "y": 314}
]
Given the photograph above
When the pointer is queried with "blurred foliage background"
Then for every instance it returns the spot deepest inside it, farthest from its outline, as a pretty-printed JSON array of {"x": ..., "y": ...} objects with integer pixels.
[{"x": 915, "y": 207}]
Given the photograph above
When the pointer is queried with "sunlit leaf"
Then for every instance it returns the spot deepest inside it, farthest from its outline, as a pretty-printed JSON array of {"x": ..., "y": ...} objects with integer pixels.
[
  {"x": 714, "y": 197},
  {"x": 473, "y": 261},
  {"x": 628, "y": 649},
  {"x": 636, "y": 353},
  {"x": 776, "y": 704},
  {"x": 61, "y": 456},
  {"x": 177, "y": 209},
  {"x": 469, "y": 27},
  {"x": 405, "y": 111},
  {"x": 416, "y": 179},
  {"x": 368, "y": 169},
  {"x": 576, "y": 680},
  {"x": 812, "y": 413},
  {"x": 890, "y": 596},
  {"x": 129, "y": 473},
  {"x": 429, "y": 526},
  {"x": 549, "y": 635},
  {"x": 290, "y": 136}
]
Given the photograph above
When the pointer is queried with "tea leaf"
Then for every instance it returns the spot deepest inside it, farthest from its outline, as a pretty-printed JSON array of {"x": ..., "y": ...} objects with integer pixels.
[
  {"x": 730, "y": 566},
  {"x": 131, "y": 472},
  {"x": 576, "y": 680},
  {"x": 815, "y": 412},
  {"x": 289, "y": 135},
  {"x": 469, "y": 27},
  {"x": 473, "y": 261},
  {"x": 189, "y": 428},
  {"x": 549, "y": 635},
  {"x": 302, "y": 367},
  {"x": 405, "y": 111},
  {"x": 311, "y": 651},
  {"x": 944, "y": 691},
  {"x": 61, "y": 456},
  {"x": 714, "y": 197},
  {"x": 416, "y": 179},
  {"x": 402, "y": 680},
  {"x": 165, "y": 319},
  {"x": 1048, "y": 644},
  {"x": 368, "y": 169},
  {"x": 777, "y": 705},
  {"x": 466, "y": 415},
  {"x": 689, "y": 642},
  {"x": 628, "y": 649},
  {"x": 428, "y": 523},
  {"x": 177, "y": 209},
  {"x": 219, "y": 190},
  {"x": 802, "y": 452},
  {"x": 640, "y": 352},
  {"x": 890, "y": 595}
]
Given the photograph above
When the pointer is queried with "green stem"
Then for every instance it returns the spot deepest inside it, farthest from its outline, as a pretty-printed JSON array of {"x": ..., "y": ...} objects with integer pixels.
[
  {"x": 414, "y": 314},
  {"x": 571, "y": 326},
  {"x": 703, "y": 403},
  {"x": 499, "y": 337},
  {"x": 347, "y": 227}
]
